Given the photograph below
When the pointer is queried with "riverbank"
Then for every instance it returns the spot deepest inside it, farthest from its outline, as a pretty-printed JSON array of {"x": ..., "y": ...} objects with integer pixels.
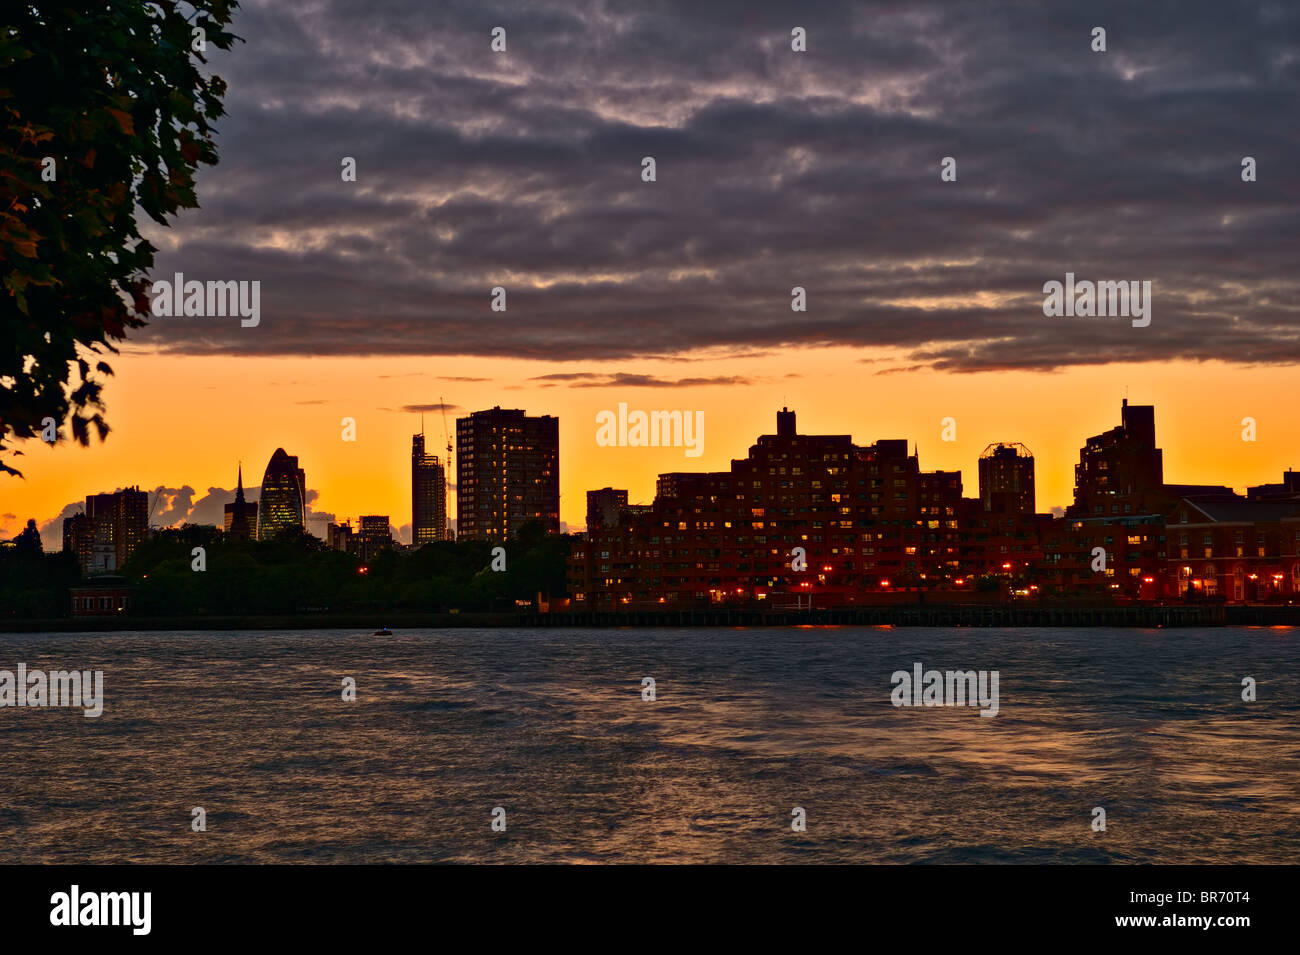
[
  {"x": 926, "y": 615},
  {"x": 367, "y": 623}
]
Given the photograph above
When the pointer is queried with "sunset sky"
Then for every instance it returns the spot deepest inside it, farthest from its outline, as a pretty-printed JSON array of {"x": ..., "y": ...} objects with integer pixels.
[{"x": 775, "y": 169}]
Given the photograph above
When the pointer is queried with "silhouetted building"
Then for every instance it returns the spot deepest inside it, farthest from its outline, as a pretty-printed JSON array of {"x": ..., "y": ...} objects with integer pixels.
[
  {"x": 1198, "y": 492},
  {"x": 1134, "y": 551},
  {"x": 1007, "y": 479},
  {"x": 240, "y": 516},
  {"x": 863, "y": 519},
  {"x": 939, "y": 500},
  {"x": 108, "y": 531},
  {"x": 996, "y": 544},
  {"x": 340, "y": 537},
  {"x": 1288, "y": 489},
  {"x": 507, "y": 473},
  {"x": 1121, "y": 472},
  {"x": 870, "y": 526},
  {"x": 79, "y": 539},
  {"x": 813, "y": 520},
  {"x": 785, "y": 423},
  {"x": 428, "y": 495},
  {"x": 281, "y": 509},
  {"x": 373, "y": 535},
  {"x": 605, "y": 506}
]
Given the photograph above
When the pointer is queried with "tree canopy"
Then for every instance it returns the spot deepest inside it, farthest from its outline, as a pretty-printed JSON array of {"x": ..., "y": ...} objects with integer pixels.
[{"x": 106, "y": 110}]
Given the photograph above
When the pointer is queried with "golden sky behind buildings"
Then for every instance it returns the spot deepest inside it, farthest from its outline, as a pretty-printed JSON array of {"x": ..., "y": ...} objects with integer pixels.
[{"x": 188, "y": 420}]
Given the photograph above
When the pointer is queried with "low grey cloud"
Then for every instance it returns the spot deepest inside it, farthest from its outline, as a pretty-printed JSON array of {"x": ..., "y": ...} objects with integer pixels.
[
  {"x": 172, "y": 507},
  {"x": 211, "y": 507},
  {"x": 775, "y": 169},
  {"x": 316, "y": 520},
  {"x": 438, "y": 406},
  {"x": 52, "y": 530}
]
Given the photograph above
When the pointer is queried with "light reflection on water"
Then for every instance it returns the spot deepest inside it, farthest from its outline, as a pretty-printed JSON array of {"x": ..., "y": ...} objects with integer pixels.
[{"x": 550, "y": 724}]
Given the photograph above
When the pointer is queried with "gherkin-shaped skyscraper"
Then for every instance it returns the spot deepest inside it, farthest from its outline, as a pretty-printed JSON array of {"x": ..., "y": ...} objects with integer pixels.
[{"x": 281, "y": 508}]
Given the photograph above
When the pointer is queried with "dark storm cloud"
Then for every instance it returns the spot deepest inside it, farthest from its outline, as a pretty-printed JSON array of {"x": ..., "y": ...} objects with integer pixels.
[
  {"x": 587, "y": 379},
  {"x": 775, "y": 169}
]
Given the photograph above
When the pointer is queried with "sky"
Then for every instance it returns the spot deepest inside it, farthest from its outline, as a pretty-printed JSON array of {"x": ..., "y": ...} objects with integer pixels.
[{"x": 773, "y": 169}]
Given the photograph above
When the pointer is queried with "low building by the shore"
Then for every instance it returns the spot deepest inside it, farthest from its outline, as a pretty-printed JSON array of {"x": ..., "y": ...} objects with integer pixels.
[{"x": 105, "y": 595}]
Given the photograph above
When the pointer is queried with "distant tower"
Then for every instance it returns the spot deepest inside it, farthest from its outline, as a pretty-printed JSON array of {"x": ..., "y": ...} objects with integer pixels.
[
  {"x": 106, "y": 534},
  {"x": 507, "y": 474},
  {"x": 281, "y": 508},
  {"x": 373, "y": 535},
  {"x": 1007, "y": 479},
  {"x": 241, "y": 517},
  {"x": 785, "y": 427},
  {"x": 604, "y": 507},
  {"x": 428, "y": 495},
  {"x": 1122, "y": 470}
]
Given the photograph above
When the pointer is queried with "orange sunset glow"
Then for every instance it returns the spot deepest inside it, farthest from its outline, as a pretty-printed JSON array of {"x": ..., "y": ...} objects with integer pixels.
[{"x": 189, "y": 421}]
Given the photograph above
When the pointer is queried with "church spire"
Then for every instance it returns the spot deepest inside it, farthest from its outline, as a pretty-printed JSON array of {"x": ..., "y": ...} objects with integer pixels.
[{"x": 239, "y": 520}]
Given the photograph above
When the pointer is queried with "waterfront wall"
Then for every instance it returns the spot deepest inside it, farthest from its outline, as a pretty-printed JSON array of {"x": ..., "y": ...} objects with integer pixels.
[
  {"x": 926, "y": 615},
  {"x": 959, "y": 615}
]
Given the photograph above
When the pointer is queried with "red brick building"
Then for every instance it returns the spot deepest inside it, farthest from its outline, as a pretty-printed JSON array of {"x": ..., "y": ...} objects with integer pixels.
[
  {"x": 872, "y": 527},
  {"x": 1241, "y": 551},
  {"x": 866, "y": 519},
  {"x": 104, "y": 596}
]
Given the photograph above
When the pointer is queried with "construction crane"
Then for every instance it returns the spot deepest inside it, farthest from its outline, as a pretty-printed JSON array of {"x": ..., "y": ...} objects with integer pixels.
[
  {"x": 442, "y": 405},
  {"x": 446, "y": 471},
  {"x": 153, "y": 507}
]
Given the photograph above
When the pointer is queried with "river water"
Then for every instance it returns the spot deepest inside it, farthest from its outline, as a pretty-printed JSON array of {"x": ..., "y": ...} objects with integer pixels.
[{"x": 748, "y": 724}]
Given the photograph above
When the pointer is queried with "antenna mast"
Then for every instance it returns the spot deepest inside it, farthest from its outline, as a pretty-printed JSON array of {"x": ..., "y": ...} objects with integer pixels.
[{"x": 446, "y": 471}]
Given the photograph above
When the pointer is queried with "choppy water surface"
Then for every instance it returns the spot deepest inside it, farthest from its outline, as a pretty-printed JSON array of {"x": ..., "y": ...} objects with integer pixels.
[{"x": 550, "y": 725}]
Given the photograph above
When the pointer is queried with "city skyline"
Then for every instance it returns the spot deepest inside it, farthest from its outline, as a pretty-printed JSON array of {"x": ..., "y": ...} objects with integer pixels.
[
  {"x": 815, "y": 510},
  {"x": 971, "y": 477},
  {"x": 1040, "y": 412}
]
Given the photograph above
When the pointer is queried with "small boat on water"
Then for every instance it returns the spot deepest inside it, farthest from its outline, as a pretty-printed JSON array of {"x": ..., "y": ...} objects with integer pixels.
[{"x": 383, "y": 632}]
